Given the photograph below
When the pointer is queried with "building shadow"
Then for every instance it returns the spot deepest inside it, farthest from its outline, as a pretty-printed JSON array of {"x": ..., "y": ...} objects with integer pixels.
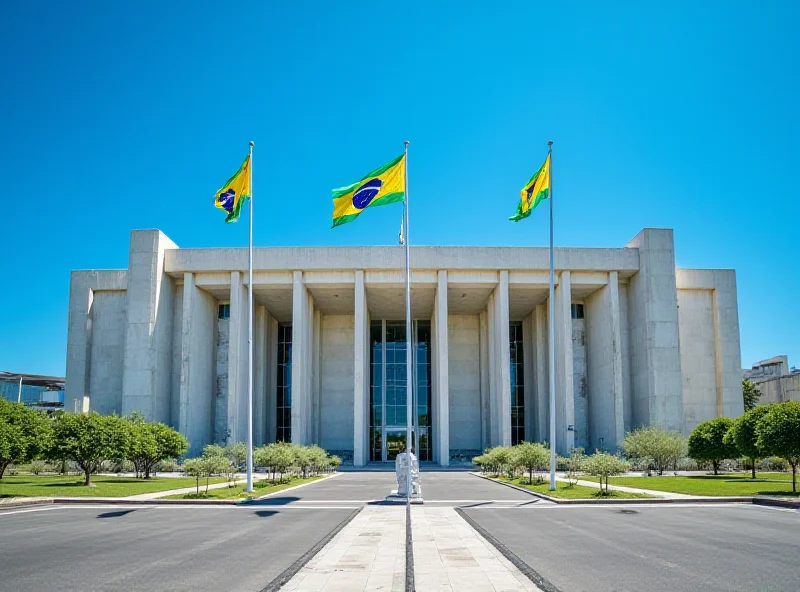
[{"x": 273, "y": 501}]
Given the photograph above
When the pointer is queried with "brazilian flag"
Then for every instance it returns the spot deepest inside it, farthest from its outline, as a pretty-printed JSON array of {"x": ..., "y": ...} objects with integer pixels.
[
  {"x": 235, "y": 192},
  {"x": 382, "y": 186},
  {"x": 535, "y": 192}
]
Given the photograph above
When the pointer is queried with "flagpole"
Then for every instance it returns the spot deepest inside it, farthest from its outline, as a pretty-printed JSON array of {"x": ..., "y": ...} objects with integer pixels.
[
  {"x": 249, "y": 487},
  {"x": 552, "y": 331},
  {"x": 409, "y": 368}
]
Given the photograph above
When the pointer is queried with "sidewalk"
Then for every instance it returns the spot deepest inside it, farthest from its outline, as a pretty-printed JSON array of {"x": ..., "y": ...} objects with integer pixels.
[
  {"x": 185, "y": 490},
  {"x": 450, "y": 555},
  {"x": 368, "y": 554},
  {"x": 653, "y": 492}
]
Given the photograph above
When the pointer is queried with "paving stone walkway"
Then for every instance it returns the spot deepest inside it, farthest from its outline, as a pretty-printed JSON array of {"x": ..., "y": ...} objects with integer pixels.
[
  {"x": 653, "y": 492},
  {"x": 449, "y": 555},
  {"x": 367, "y": 554}
]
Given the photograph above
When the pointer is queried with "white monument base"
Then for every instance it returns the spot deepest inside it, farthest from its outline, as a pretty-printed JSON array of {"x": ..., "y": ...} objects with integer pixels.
[{"x": 396, "y": 498}]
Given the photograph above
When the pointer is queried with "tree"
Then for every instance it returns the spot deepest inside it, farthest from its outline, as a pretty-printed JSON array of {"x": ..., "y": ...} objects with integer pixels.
[
  {"x": 334, "y": 462},
  {"x": 779, "y": 434},
  {"x": 742, "y": 434},
  {"x": 707, "y": 442},
  {"x": 89, "y": 439},
  {"x": 603, "y": 465},
  {"x": 750, "y": 394},
  {"x": 663, "y": 448},
  {"x": 531, "y": 457},
  {"x": 574, "y": 464},
  {"x": 319, "y": 458},
  {"x": 150, "y": 443},
  {"x": 23, "y": 434},
  {"x": 303, "y": 459},
  {"x": 221, "y": 454},
  {"x": 500, "y": 460},
  {"x": 195, "y": 467},
  {"x": 278, "y": 456}
]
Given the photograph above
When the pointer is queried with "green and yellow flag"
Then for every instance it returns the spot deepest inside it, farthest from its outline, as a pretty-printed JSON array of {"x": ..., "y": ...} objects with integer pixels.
[
  {"x": 535, "y": 191},
  {"x": 235, "y": 192},
  {"x": 382, "y": 186}
]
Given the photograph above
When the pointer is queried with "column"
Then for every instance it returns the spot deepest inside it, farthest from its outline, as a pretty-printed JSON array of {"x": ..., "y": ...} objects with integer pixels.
[
  {"x": 315, "y": 375},
  {"x": 494, "y": 423},
  {"x": 655, "y": 366},
  {"x": 565, "y": 391},
  {"x": 147, "y": 370},
  {"x": 728, "y": 357},
  {"x": 300, "y": 361},
  {"x": 483, "y": 337},
  {"x": 361, "y": 376},
  {"x": 542, "y": 376},
  {"x": 237, "y": 362},
  {"x": 442, "y": 389},
  {"x": 529, "y": 341},
  {"x": 79, "y": 344},
  {"x": 272, "y": 381},
  {"x": 503, "y": 360},
  {"x": 260, "y": 376}
]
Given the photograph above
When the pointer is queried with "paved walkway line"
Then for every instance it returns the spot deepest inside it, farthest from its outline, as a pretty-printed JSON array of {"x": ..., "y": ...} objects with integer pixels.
[
  {"x": 450, "y": 555},
  {"x": 368, "y": 554},
  {"x": 653, "y": 492},
  {"x": 158, "y": 494}
]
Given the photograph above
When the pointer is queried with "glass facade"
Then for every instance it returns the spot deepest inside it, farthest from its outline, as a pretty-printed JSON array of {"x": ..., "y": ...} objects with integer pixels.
[
  {"x": 388, "y": 389},
  {"x": 283, "y": 411},
  {"x": 517, "y": 383}
]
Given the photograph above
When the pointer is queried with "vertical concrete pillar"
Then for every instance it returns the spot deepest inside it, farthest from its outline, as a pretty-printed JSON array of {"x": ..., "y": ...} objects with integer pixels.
[
  {"x": 483, "y": 336},
  {"x": 528, "y": 352},
  {"x": 272, "y": 380},
  {"x": 187, "y": 322},
  {"x": 361, "y": 376},
  {"x": 565, "y": 392},
  {"x": 147, "y": 370},
  {"x": 260, "y": 376},
  {"x": 542, "y": 376},
  {"x": 494, "y": 423},
  {"x": 79, "y": 344},
  {"x": 300, "y": 361},
  {"x": 316, "y": 377},
  {"x": 604, "y": 367},
  {"x": 443, "y": 375},
  {"x": 654, "y": 337},
  {"x": 503, "y": 352},
  {"x": 237, "y": 360},
  {"x": 728, "y": 357}
]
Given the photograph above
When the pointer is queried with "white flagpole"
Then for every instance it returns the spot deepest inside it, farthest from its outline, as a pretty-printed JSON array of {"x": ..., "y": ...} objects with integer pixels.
[
  {"x": 552, "y": 331},
  {"x": 409, "y": 368},
  {"x": 249, "y": 487}
]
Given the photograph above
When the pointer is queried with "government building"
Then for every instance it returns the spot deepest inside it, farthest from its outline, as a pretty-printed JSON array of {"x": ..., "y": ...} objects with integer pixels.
[{"x": 637, "y": 342}]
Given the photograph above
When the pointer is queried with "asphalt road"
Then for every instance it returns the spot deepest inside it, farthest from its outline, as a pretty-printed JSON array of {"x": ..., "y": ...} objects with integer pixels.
[
  {"x": 155, "y": 548},
  {"x": 456, "y": 485},
  {"x": 664, "y": 548}
]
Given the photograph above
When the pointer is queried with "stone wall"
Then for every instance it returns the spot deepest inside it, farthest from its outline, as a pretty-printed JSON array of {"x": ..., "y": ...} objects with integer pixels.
[
  {"x": 107, "y": 315},
  {"x": 778, "y": 390}
]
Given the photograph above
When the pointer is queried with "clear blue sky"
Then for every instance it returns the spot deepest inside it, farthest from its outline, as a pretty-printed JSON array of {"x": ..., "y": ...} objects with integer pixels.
[{"x": 120, "y": 115}]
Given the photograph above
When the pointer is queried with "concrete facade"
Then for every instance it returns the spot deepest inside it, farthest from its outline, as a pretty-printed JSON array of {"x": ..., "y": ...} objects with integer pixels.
[{"x": 169, "y": 337}]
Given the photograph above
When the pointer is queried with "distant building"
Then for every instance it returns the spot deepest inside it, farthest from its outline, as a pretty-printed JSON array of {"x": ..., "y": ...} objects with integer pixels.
[
  {"x": 766, "y": 369},
  {"x": 775, "y": 379},
  {"x": 637, "y": 342},
  {"x": 40, "y": 392}
]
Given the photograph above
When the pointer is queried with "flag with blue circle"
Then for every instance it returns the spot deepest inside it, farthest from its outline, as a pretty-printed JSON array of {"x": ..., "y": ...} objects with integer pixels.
[
  {"x": 382, "y": 186},
  {"x": 235, "y": 192}
]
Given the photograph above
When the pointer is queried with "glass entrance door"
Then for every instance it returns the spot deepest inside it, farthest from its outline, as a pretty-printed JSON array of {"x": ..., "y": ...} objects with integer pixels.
[{"x": 395, "y": 443}]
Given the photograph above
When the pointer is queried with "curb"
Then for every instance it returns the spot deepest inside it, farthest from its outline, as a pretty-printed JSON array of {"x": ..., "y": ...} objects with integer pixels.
[
  {"x": 32, "y": 501},
  {"x": 295, "y": 567},
  {"x": 540, "y": 581},
  {"x": 742, "y": 499}
]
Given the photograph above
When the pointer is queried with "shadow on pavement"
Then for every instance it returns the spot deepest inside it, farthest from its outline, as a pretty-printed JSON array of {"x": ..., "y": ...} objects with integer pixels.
[{"x": 116, "y": 514}]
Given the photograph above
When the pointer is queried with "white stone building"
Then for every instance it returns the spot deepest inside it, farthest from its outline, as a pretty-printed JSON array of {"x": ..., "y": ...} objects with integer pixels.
[{"x": 638, "y": 342}]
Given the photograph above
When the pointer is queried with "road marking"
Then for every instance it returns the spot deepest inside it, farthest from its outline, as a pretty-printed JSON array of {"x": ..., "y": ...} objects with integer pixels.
[{"x": 25, "y": 511}]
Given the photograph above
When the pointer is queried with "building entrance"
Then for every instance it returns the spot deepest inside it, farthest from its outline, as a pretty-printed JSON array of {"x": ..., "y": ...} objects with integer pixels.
[{"x": 388, "y": 390}]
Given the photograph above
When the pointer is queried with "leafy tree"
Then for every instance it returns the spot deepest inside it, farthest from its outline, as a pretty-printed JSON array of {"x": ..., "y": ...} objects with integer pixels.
[
  {"x": 742, "y": 434},
  {"x": 334, "y": 462},
  {"x": 662, "y": 447},
  {"x": 779, "y": 434},
  {"x": 205, "y": 467},
  {"x": 303, "y": 459},
  {"x": 237, "y": 454},
  {"x": 278, "y": 456},
  {"x": 530, "y": 457},
  {"x": 88, "y": 439},
  {"x": 750, "y": 394},
  {"x": 319, "y": 458},
  {"x": 195, "y": 467},
  {"x": 151, "y": 443},
  {"x": 221, "y": 454},
  {"x": 603, "y": 465},
  {"x": 500, "y": 460},
  {"x": 23, "y": 434},
  {"x": 574, "y": 464},
  {"x": 707, "y": 442}
]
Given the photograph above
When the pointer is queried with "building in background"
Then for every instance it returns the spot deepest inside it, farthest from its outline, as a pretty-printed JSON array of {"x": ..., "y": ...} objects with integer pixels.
[
  {"x": 38, "y": 392},
  {"x": 775, "y": 379},
  {"x": 637, "y": 342}
]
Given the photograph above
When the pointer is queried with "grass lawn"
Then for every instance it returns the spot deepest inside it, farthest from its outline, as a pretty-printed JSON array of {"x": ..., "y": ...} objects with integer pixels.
[
  {"x": 261, "y": 487},
  {"x": 775, "y": 484},
  {"x": 72, "y": 485},
  {"x": 565, "y": 491}
]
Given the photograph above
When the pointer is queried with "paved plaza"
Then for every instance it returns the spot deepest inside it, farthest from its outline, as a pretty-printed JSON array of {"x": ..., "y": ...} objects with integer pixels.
[{"x": 337, "y": 534}]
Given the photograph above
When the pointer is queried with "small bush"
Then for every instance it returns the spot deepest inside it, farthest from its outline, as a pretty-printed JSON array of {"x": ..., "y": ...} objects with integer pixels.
[{"x": 773, "y": 463}]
